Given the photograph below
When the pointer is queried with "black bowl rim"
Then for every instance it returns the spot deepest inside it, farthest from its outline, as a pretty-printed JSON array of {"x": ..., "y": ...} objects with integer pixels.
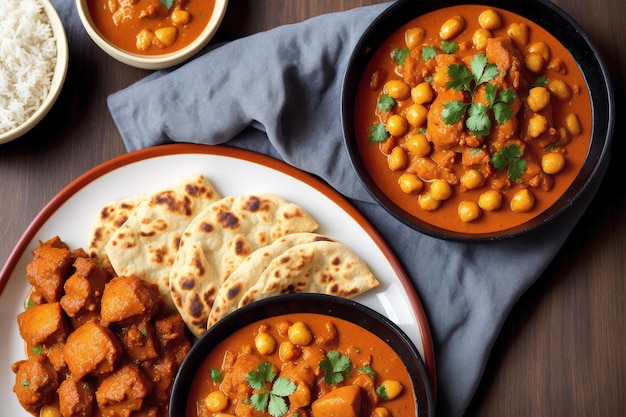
[
  {"x": 307, "y": 303},
  {"x": 567, "y": 31}
]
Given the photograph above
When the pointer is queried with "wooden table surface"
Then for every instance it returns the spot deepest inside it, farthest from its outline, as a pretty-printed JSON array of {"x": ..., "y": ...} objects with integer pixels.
[{"x": 562, "y": 351}]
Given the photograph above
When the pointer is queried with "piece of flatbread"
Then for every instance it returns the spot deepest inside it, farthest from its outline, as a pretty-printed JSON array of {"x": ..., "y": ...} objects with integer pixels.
[
  {"x": 318, "y": 267},
  {"x": 247, "y": 273},
  {"x": 110, "y": 218},
  {"x": 219, "y": 239},
  {"x": 147, "y": 243}
]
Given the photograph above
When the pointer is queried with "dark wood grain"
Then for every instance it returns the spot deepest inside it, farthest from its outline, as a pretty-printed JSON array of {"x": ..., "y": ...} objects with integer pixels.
[{"x": 562, "y": 351}]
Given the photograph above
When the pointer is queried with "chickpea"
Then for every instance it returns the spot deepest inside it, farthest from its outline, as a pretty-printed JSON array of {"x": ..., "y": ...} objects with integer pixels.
[
  {"x": 537, "y": 125},
  {"x": 180, "y": 17},
  {"x": 392, "y": 388},
  {"x": 490, "y": 200},
  {"x": 479, "y": 39},
  {"x": 472, "y": 179},
  {"x": 452, "y": 27},
  {"x": 416, "y": 115},
  {"x": 418, "y": 145},
  {"x": 538, "y": 98},
  {"x": 564, "y": 136},
  {"x": 468, "y": 211},
  {"x": 397, "y": 89},
  {"x": 166, "y": 35},
  {"x": 265, "y": 343},
  {"x": 552, "y": 162},
  {"x": 534, "y": 63},
  {"x": 560, "y": 89},
  {"x": 572, "y": 124},
  {"x": 540, "y": 48},
  {"x": 410, "y": 183},
  {"x": 144, "y": 39},
  {"x": 489, "y": 19},
  {"x": 223, "y": 415},
  {"x": 216, "y": 401},
  {"x": 522, "y": 201},
  {"x": 440, "y": 189},
  {"x": 397, "y": 159},
  {"x": 397, "y": 125},
  {"x": 288, "y": 351},
  {"x": 50, "y": 411},
  {"x": 427, "y": 202},
  {"x": 518, "y": 32},
  {"x": 414, "y": 36},
  {"x": 380, "y": 412},
  {"x": 300, "y": 334},
  {"x": 422, "y": 93}
]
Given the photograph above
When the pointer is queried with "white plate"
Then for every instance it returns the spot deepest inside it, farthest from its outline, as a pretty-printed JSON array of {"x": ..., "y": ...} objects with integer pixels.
[{"x": 232, "y": 172}]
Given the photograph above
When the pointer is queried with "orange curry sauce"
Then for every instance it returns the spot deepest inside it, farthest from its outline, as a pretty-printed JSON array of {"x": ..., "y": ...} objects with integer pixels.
[
  {"x": 122, "y": 21},
  {"x": 446, "y": 216}
]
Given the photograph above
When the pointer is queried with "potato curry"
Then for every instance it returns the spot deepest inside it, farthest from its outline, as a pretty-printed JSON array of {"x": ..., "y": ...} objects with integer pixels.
[
  {"x": 151, "y": 27},
  {"x": 97, "y": 344},
  {"x": 473, "y": 119},
  {"x": 304, "y": 365}
]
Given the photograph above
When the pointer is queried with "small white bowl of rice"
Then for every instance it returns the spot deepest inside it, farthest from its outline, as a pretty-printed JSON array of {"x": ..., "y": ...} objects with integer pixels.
[{"x": 33, "y": 64}]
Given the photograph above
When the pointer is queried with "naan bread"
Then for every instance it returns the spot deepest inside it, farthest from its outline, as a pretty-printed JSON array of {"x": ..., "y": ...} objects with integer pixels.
[
  {"x": 147, "y": 243},
  {"x": 318, "y": 267},
  {"x": 219, "y": 239},
  {"x": 110, "y": 218},
  {"x": 247, "y": 273}
]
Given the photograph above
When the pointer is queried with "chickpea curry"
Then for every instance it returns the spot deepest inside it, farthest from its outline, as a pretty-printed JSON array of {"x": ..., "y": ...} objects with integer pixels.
[
  {"x": 98, "y": 345},
  {"x": 473, "y": 119},
  {"x": 304, "y": 365},
  {"x": 151, "y": 27}
]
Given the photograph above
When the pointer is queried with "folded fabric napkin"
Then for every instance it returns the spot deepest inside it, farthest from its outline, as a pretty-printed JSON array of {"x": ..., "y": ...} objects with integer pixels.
[{"x": 278, "y": 93}]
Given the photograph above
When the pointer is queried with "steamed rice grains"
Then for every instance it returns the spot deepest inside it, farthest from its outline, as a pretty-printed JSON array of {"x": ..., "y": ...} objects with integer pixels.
[{"x": 28, "y": 54}]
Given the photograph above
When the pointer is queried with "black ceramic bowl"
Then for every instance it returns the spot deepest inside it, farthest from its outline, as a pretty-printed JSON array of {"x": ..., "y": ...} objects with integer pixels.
[
  {"x": 565, "y": 30},
  {"x": 306, "y": 303}
]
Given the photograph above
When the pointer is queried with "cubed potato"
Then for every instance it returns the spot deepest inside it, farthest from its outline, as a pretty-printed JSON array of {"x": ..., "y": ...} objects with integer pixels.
[
  {"x": 92, "y": 349},
  {"x": 340, "y": 402},
  {"x": 126, "y": 299},
  {"x": 43, "y": 324}
]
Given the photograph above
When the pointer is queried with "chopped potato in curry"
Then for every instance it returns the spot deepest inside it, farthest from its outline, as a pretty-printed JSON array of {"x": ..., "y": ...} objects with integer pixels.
[{"x": 97, "y": 344}]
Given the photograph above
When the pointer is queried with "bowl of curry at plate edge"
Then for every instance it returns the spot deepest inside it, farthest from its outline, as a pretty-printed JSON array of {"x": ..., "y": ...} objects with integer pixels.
[
  {"x": 310, "y": 351},
  {"x": 435, "y": 153},
  {"x": 151, "y": 34}
]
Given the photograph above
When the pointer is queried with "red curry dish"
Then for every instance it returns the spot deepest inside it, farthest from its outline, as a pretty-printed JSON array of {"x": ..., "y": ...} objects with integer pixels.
[
  {"x": 151, "y": 27},
  {"x": 97, "y": 344},
  {"x": 473, "y": 119},
  {"x": 304, "y": 365}
]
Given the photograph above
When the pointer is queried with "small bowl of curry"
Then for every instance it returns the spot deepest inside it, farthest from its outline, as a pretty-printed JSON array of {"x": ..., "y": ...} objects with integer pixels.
[
  {"x": 151, "y": 34},
  {"x": 476, "y": 122},
  {"x": 303, "y": 354}
]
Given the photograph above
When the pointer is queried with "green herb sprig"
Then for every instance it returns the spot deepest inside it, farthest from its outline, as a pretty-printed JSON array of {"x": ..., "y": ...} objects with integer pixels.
[
  {"x": 270, "y": 400},
  {"x": 336, "y": 367},
  {"x": 510, "y": 157}
]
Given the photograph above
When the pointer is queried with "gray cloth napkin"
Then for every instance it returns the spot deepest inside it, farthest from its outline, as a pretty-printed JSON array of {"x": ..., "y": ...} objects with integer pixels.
[{"x": 278, "y": 93}]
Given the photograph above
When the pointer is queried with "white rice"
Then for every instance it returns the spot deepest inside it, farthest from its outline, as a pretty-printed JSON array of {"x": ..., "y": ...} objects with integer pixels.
[{"x": 27, "y": 60}]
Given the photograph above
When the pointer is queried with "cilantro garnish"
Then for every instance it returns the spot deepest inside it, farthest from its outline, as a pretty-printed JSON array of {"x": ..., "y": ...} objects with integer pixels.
[
  {"x": 510, "y": 156},
  {"x": 37, "y": 350},
  {"x": 386, "y": 102},
  {"x": 269, "y": 399},
  {"x": 216, "y": 375},
  {"x": 367, "y": 370},
  {"x": 449, "y": 47},
  {"x": 382, "y": 392},
  {"x": 335, "y": 367},
  {"x": 378, "y": 133},
  {"x": 399, "y": 55},
  {"x": 429, "y": 52},
  {"x": 167, "y": 3},
  {"x": 499, "y": 102},
  {"x": 541, "y": 81},
  {"x": 30, "y": 303}
]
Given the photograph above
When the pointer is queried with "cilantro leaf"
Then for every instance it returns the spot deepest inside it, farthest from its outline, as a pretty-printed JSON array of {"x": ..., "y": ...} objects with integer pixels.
[
  {"x": 260, "y": 400},
  {"x": 335, "y": 367},
  {"x": 502, "y": 113},
  {"x": 541, "y": 81},
  {"x": 449, "y": 47},
  {"x": 453, "y": 111},
  {"x": 482, "y": 71},
  {"x": 264, "y": 373},
  {"x": 283, "y": 387},
  {"x": 270, "y": 400},
  {"x": 490, "y": 93},
  {"x": 167, "y": 3},
  {"x": 429, "y": 52},
  {"x": 277, "y": 406},
  {"x": 386, "y": 102},
  {"x": 367, "y": 370},
  {"x": 460, "y": 77},
  {"x": 399, "y": 55},
  {"x": 510, "y": 156},
  {"x": 216, "y": 375},
  {"x": 382, "y": 392},
  {"x": 478, "y": 121},
  {"x": 378, "y": 133},
  {"x": 507, "y": 96}
]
